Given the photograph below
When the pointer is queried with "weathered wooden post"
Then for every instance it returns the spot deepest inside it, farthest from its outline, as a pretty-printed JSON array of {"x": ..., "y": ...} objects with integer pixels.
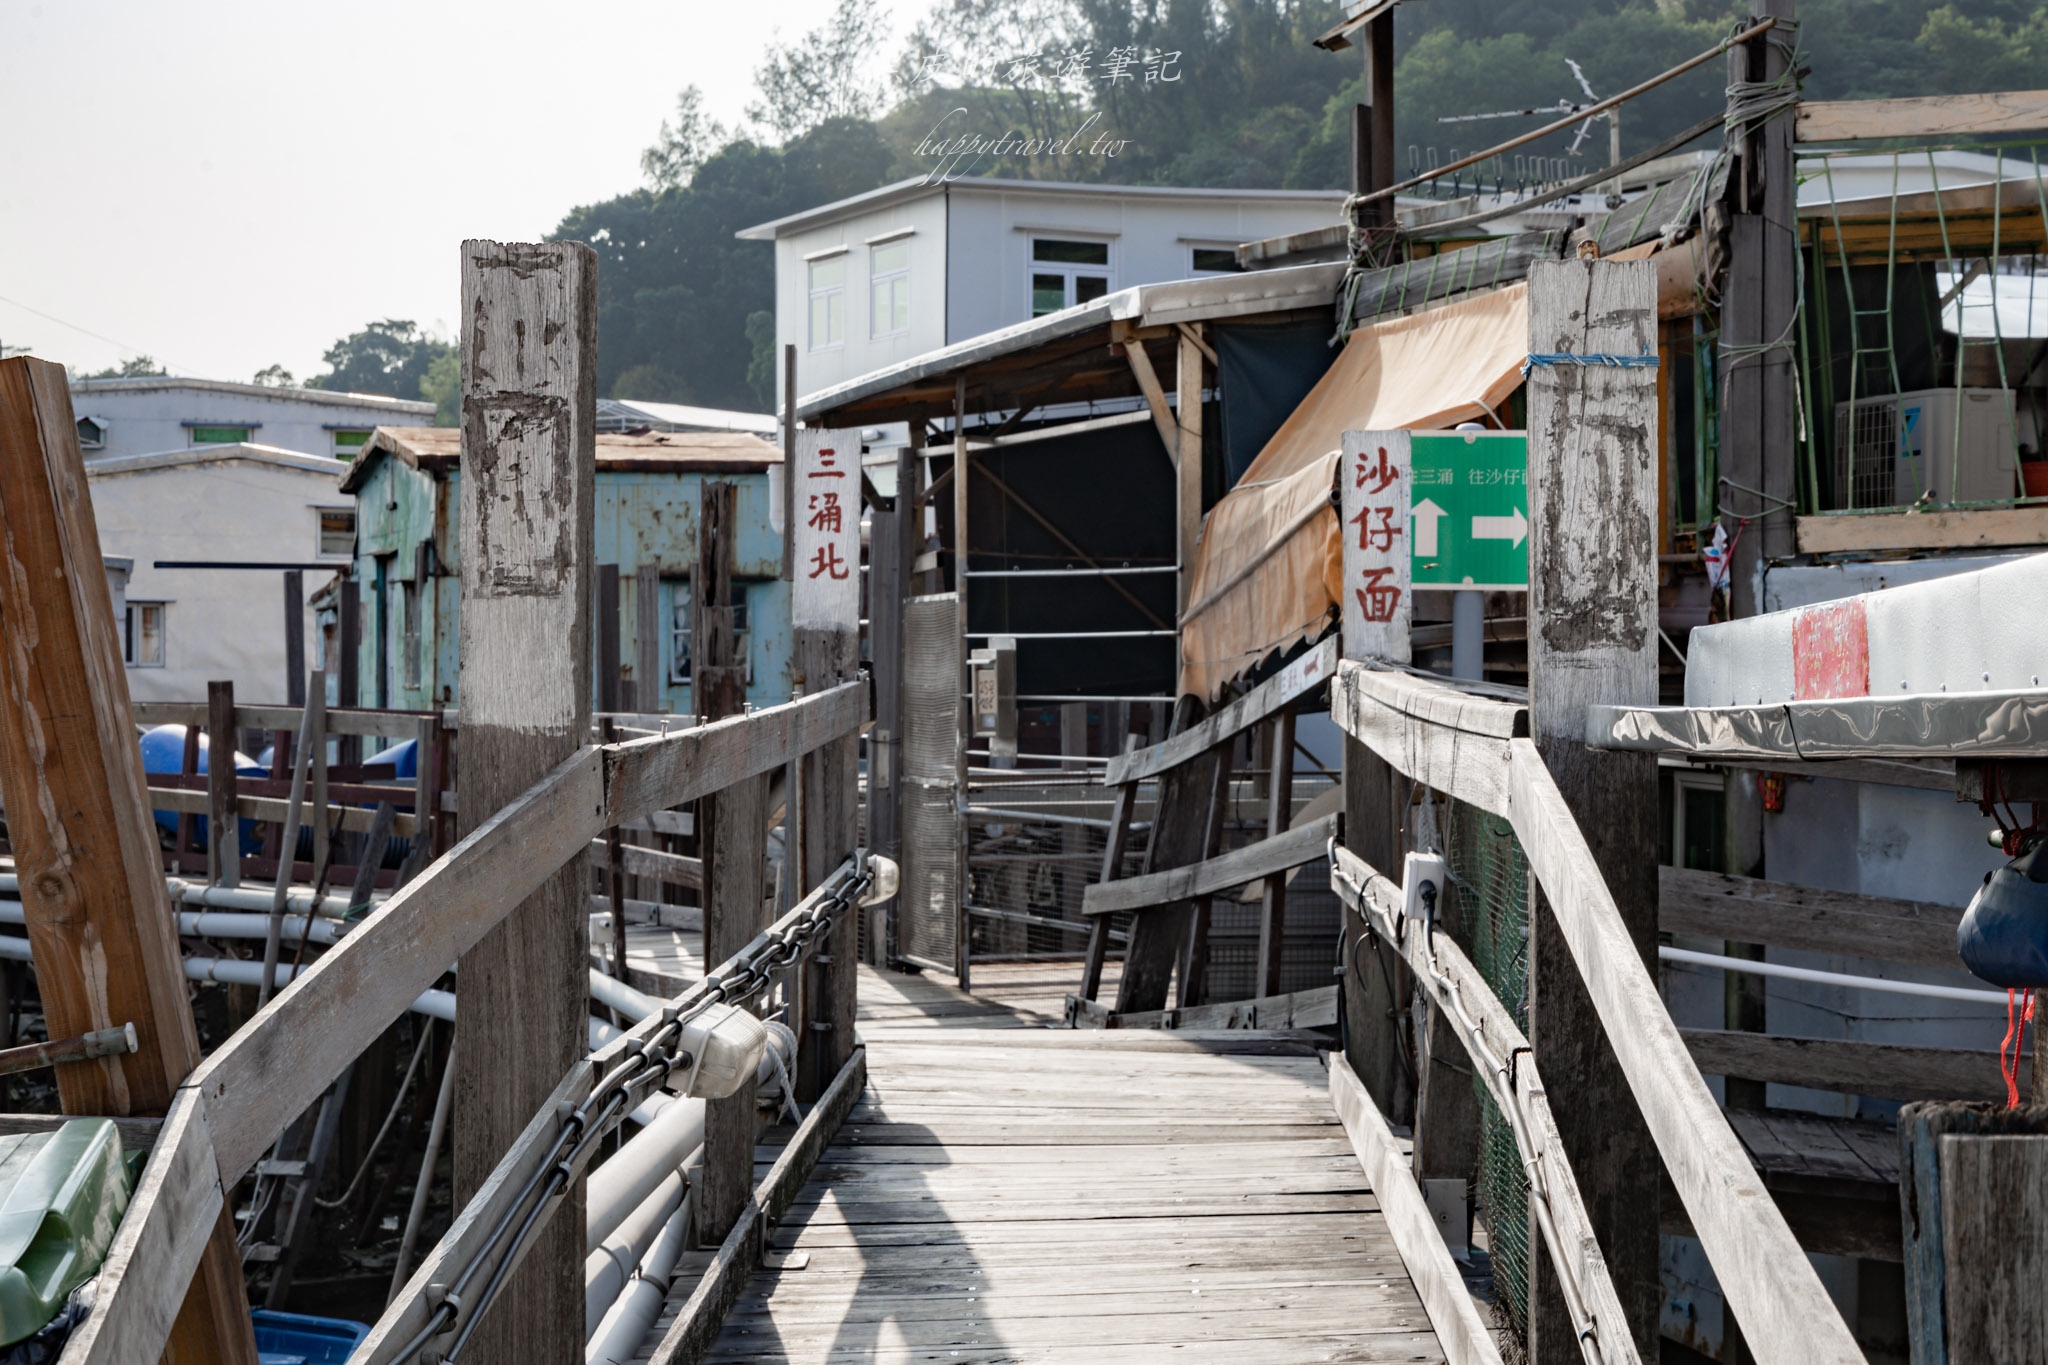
[
  {"x": 825, "y": 612},
  {"x": 887, "y": 528},
  {"x": 223, "y": 822},
  {"x": 528, "y": 477},
  {"x": 1593, "y": 638},
  {"x": 732, "y": 830},
  {"x": 1373, "y": 478},
  {"x": 85, "y": 846}
]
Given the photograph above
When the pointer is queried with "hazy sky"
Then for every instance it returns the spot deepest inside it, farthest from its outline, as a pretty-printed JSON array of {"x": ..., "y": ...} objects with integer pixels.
[{"x": 225, "y": 185}]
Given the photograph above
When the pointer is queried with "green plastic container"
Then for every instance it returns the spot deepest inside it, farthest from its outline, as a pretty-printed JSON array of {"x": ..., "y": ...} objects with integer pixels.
[{"x": 62, "y": 1194}]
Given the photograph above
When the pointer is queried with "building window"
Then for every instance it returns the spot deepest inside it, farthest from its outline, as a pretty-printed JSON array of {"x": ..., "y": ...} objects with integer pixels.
[
  {"x": 889, "y": 289},
  {"x": 679, "y": 631},
  {"x": 347, "y": 443},
  {"x": 1065, "y": 273},
  {"x": 142, "y": 639},
  {"x": 828, "y": 302},
  {"x": 220, "y": 436},
  {"x": 1215, "y": 260},
  {"x": 337, "y": 530},
  {"x": 92, "y": 434},
  {"x": 408, "y": 634}
]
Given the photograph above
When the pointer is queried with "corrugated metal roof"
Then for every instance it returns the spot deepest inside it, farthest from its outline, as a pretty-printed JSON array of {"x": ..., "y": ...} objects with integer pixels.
[
  {"x": 677, "y": 452},
  {"x": 917, "y": 187},
  {"x": 1250, "y": 294}
]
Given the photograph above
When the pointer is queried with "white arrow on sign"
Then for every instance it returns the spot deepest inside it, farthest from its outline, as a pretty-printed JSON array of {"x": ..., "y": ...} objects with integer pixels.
[
  {"x": 1426, "y": 515},
  {"x": 1514, "y": 528}
]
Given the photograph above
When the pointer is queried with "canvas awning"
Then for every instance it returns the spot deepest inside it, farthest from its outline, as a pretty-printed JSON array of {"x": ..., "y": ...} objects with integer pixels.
[{"x": 1269, "y": 565}]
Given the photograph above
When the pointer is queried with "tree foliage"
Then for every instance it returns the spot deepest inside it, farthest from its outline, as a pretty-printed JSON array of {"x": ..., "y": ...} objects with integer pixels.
[
  {"x": 685, "y": 309},
  {"x": 390, "y": 357},
  {"x": 684, "y": 145},
  {"x": 134, "y": 367},
  {"x": 823, "y": 75}
]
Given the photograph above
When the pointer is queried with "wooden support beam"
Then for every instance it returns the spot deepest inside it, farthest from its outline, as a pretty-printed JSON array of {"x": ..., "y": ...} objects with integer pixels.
[
  {"x": 1267, "y": 857},
  {"x": 732, "y": 830},
  {"x": 1892, "y": 1071},
  {"x": 1188, "y": 462},
  {"x": 1593, "y": 637},
  {"x": 605, "y": 621},
  {"x": 1747, "y": 910},
  {"x": 529, "y": 381},
  {"x": 295, "y": 637},
  {"x": 1759, "y": 407},
  {"x": 85, "y": 847},
  {"x": 649, "y": 685},
  {"x": 1279, "y": 815},
  {"x": 963, "y": 549},
  {"x": 1113, "y": 847},
  {"x": 1181, "y": 823},
  {"x": 1140, "y": 362},
  {"x": 1919, "y": 116},
  {"x": 1970, "y": 528},
  {"x": 223, "y": 825}
]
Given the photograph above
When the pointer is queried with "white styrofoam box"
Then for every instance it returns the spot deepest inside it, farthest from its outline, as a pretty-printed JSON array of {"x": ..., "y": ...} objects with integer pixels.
[
  {"x": 1981, "y": 630},
  {"x": 1740, "y": 663},
  {"x": 1804, "y": 585},
  {"x": 1976, "y": 632}
]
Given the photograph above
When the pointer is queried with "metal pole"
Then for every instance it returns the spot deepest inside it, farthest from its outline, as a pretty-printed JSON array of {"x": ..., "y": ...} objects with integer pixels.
[
  {"x": 435, "y": 1131},
  {"x": 310, "y": 728},
  {"x": 1468, "y": 634}
]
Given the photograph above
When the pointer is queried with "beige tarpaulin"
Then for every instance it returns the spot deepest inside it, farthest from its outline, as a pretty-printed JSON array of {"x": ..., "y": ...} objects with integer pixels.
[{"x": 1270, "y": 565}]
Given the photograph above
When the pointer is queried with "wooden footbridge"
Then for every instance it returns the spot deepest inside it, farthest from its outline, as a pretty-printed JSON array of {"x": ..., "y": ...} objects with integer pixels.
[{"x": 962, "y": 1181}]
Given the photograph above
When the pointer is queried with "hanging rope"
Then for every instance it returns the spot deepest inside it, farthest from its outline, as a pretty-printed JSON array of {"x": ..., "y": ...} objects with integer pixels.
[{"x": 2017, "y": 1017}]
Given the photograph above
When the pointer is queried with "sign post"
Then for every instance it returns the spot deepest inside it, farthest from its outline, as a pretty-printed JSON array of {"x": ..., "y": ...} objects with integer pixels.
[
  {"x": 1374, "y": 481},
  {"x": 825, "y": 564},
  {"x": 1471, "y": 501}
]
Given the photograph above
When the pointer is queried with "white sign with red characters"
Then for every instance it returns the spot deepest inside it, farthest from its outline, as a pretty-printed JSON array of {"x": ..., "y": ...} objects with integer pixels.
[
  {"x": 826, "y": 591},
  {"x": 1374, "y": 479}
]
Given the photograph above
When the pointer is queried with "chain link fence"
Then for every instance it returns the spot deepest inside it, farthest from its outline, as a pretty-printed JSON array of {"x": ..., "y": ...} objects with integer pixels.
[{"x": 1491, "y": 878}]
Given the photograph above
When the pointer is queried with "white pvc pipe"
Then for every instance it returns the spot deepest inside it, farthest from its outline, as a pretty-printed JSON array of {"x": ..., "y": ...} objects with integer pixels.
[
  {"x": 1861, "y": 983},
  {"x": 611, "y": 1264},
  {"x": 618, "y": 1337},
  {"x": 234, "y": 972},
  {"x": 222, "y": 924},
  {"x": 635, "y": 1005},
  {"x": 632, "y": 1174}
]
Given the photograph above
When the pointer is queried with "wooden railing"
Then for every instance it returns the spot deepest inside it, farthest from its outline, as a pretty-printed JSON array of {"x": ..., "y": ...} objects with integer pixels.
[
  {"x": 1472, "y": 749},
  {"x": 1184, "y": 866},
  {"x": 230, "y": 1110}
]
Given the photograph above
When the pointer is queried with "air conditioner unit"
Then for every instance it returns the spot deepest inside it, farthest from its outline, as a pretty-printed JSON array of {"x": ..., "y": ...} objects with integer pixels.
[{"x": 1959, "y": 443}]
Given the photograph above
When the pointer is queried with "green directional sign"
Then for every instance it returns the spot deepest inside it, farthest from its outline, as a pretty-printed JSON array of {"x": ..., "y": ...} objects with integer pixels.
[{"x": 1469, "y": 507}]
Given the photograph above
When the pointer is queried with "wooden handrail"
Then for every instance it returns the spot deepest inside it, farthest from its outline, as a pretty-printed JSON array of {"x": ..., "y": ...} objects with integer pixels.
[
  {"x": 1442, "y": 737},
  {"x": 1787, "y": 1315},
  {"x": 233, "y": 1106},
  {"x": 1299, "y": 678},
  {"x": 1455, "y": 985},
  {"x": 1303, "y": 844}
]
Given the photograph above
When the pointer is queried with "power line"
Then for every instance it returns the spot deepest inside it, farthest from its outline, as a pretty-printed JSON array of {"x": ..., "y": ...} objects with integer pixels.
[{"x": 121, "y": 346}]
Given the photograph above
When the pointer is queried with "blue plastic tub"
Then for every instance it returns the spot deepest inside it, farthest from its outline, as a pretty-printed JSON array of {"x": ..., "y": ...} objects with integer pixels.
[{"x": 295, "y": 1339}]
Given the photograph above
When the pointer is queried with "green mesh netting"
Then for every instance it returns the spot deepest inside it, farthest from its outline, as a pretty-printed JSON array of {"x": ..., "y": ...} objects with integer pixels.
[{"x": 1492, "y": 880}]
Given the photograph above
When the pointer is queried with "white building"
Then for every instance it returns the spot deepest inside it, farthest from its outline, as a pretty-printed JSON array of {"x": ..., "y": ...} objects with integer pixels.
[
  {"x": 123, "y": 417},
  {"x": 903, "y": 270},
  {"x": 233, "y": 519}
]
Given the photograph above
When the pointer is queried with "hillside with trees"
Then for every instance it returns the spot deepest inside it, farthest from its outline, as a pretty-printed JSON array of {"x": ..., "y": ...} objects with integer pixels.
[{"x": 1244, "y": 101}]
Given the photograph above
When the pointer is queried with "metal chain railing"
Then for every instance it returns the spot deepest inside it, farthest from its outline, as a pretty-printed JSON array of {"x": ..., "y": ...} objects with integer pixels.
[{"x": 639, "y": 1063}]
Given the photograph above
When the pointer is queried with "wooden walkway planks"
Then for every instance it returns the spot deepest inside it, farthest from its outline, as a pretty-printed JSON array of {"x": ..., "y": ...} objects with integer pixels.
[{"x": 1006, "y": 1193}]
